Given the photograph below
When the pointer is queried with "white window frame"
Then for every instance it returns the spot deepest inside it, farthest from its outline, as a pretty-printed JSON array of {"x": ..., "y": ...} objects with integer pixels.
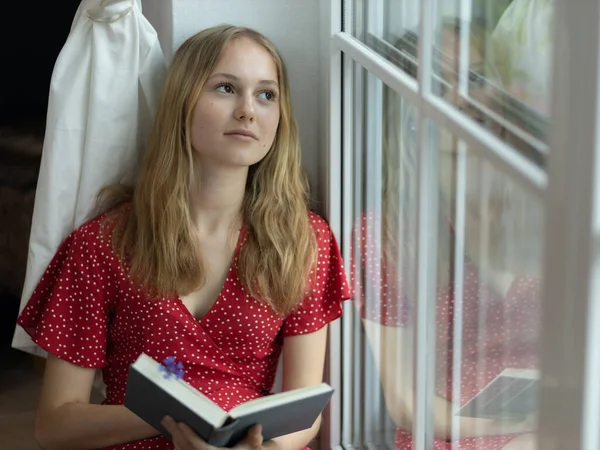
[
  {"x": 569, "y": 188},
  {"x": 570, "y": 398},
  {"x": 331, "y": 176}
]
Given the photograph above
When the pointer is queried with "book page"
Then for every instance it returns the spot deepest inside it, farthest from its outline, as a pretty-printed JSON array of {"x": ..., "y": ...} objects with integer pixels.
[{"x": 512, "y": 394}]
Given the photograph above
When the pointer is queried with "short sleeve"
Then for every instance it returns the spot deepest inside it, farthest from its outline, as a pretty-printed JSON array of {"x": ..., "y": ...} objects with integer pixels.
[
  {"x": 323, "y": 303},
  {"x": 380, "y": 292},
  {"x": 516, "y": 319},
  {"x": 68, "y": 312}
]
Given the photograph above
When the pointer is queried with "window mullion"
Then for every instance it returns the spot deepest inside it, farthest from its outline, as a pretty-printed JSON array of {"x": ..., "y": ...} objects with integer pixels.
[
  {"x": 570, "y": 396},
  {"x": 426, "y": 246}
]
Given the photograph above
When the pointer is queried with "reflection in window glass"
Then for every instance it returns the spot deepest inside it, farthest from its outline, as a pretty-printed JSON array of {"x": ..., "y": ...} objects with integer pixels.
[
  {"x": 497, "y": 71},
  {"x": 377, "y": 258},
  {"x": 488, "y": 302},
  {"x": 494, "y": 66},
  {"x": 382, "y": 24},
  {"x": 487, "y": 298}
]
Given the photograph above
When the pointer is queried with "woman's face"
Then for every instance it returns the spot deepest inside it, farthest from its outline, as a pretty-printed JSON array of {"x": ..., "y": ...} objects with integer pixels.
[
  {"x": 236, "y": 116},
  {"x": 484, "y": 208},
  {"x": 446, "y": 144}
]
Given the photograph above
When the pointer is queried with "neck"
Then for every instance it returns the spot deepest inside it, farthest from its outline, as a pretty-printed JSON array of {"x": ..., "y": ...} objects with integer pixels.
[{"x": 217, "y": 197}]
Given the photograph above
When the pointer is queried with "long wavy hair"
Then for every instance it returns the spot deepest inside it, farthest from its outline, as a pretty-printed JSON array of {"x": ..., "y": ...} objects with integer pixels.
[{"x": 154, "y": 232}]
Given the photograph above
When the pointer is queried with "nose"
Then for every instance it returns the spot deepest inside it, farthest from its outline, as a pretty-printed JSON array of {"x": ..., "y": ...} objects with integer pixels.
[{"x": 245, "y": 108}]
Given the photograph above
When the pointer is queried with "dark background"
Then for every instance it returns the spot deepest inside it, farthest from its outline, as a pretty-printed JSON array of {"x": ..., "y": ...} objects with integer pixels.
[
  {"x": 31, "y": 37},
  {"x": 29, "y": 55}
]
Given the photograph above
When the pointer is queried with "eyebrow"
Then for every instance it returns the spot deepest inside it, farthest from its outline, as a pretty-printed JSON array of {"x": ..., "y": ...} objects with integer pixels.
[{"x": 234, "y": 78}]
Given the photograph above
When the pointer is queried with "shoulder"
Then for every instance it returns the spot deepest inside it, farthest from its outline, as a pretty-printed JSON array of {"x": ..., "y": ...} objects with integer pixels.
[
  {"x": 95, "y": 235},
  {"x": 88, "y": 235},
  {"x": 327, "y": 244},
  {"x": 319, "y": 225},
  {"x": 368, "y": 220}
]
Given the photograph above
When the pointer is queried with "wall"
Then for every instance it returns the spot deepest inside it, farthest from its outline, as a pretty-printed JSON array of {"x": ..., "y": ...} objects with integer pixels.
[
  {"x": 160, "y": 14},
  {"x": 291, "y": 24}
]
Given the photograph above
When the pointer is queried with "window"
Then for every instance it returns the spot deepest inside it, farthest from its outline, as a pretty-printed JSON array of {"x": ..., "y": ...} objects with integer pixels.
[
  {"x": 467, "y": 224},
  {"x": 493, "y": 63}
]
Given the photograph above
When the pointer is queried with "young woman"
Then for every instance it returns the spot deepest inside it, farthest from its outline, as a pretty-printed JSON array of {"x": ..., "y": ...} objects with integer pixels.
[
  {"x": 213, "y": 258},
  {"x": 499, "y": 284}
]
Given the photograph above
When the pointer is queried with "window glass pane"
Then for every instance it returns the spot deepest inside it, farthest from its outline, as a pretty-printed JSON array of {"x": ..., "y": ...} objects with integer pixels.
[
  {"x": 389, "y": 26},
  {"x": 383, "y": 191},
  {"x": 383, "y": 25},
  {"x": 492, "y": 60},
  {"x": 486, "y": 287},
  {"x": 489, "y": 262}
]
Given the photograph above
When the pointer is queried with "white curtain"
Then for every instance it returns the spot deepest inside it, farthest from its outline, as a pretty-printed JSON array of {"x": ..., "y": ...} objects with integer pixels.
[{"x": 103, "y": 95}]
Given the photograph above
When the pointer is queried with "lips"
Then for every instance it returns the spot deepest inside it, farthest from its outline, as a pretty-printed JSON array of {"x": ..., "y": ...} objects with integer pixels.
[{"x": 242, "y": 132}]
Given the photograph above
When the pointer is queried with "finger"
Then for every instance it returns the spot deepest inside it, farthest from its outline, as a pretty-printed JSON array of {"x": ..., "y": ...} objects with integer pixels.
[
  {"x": 197, "y": 443},
  {"x": 170, "y": 425},
  {"x": 179, "y": 440},
  {"x": 181, "y": 444},
  {"x": 254, "y": 438}
]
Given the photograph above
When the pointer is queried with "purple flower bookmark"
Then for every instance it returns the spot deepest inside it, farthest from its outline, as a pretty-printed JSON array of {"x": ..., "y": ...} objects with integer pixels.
[{"x": 171, "y": 368}]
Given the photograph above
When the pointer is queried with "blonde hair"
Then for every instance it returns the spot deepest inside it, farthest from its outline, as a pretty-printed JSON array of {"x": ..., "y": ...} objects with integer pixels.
[{"x": 156, "y": 234}]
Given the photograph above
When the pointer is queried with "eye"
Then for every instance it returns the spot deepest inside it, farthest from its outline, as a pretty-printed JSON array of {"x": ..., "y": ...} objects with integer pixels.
[
  {"x": 227, "y": 88},
  {"x": 268, "y": 95}
]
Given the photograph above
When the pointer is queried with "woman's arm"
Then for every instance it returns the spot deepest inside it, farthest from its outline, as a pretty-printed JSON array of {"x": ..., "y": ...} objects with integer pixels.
[
  {"x": 526, "y": 441},
  {"x": 395, "y": 364},
  {"x": 303, "y": 364},
  {"x": 66, "y": 420}
]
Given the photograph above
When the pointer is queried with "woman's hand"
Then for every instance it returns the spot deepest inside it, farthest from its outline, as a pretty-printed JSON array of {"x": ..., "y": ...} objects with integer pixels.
[
  {"x": 185, "y": 438},
  {"x": 522, "y": 442}
]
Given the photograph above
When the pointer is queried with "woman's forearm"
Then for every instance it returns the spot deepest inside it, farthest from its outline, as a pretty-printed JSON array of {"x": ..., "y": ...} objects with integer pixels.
[
  {"x": 78, "y": 426},
  {"x": 294, "y": 441},
  {"x": 402, "y": 412},
  {"x": 395, "y": 365}
]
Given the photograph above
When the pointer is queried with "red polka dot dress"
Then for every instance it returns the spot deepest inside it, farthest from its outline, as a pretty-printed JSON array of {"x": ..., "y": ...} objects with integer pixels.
[
  {"x": 87, "y": 311},
  {"x": 498, "y": 331}
]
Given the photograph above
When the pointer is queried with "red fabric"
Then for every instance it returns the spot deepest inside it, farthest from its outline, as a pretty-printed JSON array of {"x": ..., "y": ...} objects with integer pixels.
[
  {"x": 88, "y": 312},
  {"x": 498, "y": 331},
  {"x": 404, "y": 441}
]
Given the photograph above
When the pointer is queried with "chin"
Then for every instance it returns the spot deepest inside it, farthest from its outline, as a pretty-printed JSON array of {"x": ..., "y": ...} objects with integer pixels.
[
  {"x": 243, "y": 156},
  {"x": 232, "y": 155}
]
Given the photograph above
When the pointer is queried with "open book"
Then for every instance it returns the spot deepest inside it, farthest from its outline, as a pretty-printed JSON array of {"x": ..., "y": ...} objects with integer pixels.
[
  {"x": 513, "y": 394},
  {"x": 151, "y": 396}
]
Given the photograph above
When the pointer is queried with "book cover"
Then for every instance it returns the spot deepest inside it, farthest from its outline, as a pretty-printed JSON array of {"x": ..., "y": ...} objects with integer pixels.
[
  {"x": 513, "y": 394},
  {"x": 155, "y": 390}
]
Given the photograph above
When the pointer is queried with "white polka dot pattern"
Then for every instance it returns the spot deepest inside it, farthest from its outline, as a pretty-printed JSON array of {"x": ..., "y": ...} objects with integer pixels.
[
  {"x": 497, "y": 332},
  {"x": 87, "y": 311}
]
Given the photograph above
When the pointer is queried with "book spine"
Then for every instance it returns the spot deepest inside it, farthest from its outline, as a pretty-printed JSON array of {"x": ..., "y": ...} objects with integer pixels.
[{"x": 220, "y": 437}]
